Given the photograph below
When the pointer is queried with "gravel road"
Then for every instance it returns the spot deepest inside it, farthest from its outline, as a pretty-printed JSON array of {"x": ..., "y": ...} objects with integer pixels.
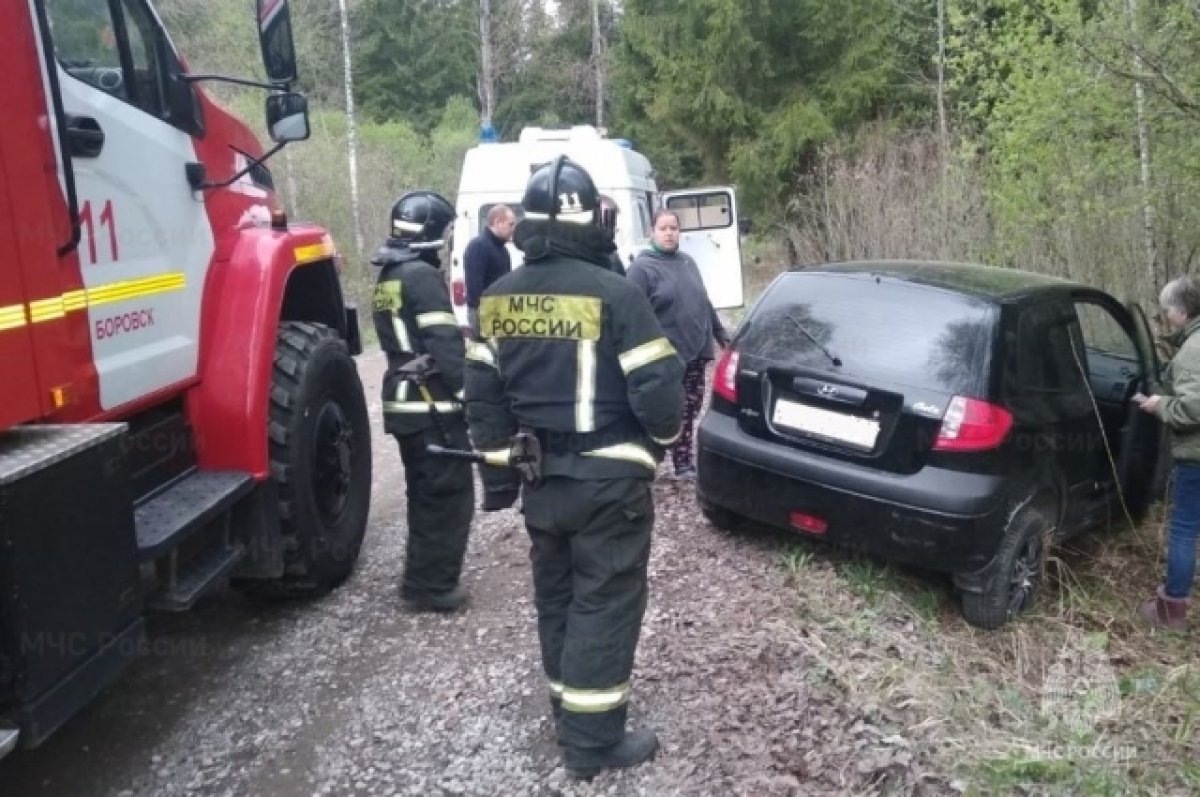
[{"x": 353, "y": 694}]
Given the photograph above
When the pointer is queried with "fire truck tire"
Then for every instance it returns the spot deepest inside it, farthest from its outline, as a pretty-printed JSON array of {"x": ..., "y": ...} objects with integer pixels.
[{"x": 320, "y": 460}]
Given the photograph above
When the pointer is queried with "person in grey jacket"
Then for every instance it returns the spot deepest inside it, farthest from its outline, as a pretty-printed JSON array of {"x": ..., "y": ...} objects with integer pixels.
[
  {"x": 672, "y": 282},
  {"x": 1179, "y": 408}
]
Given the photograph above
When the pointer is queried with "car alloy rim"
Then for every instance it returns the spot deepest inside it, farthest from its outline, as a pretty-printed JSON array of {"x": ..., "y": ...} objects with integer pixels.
[{"x": 1025, "y": 574}]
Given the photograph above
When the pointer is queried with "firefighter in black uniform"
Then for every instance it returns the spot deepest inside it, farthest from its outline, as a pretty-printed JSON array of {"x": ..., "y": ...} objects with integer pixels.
[
  {"x": 573, "y": 353},
  {"x": 413, "y": 317}
]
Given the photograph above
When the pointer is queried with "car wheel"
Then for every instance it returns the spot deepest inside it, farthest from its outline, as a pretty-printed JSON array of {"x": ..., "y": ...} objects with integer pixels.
[{"x": 1016, "y": 575}]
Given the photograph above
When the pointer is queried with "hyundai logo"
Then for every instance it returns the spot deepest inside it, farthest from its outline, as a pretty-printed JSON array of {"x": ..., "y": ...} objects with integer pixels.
[{"x": 828, "y": 391}]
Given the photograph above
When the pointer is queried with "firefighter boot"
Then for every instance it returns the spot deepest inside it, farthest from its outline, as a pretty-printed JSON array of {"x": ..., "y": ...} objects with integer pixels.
[
  {"x": 1165, "y": 612},
  {"x": 635, "y": 747},
  {"x": 436, "y": 602}
]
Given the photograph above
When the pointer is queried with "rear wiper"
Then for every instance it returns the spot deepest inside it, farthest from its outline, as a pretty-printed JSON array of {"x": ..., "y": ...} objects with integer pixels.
[{"x": 833, "y": 358}]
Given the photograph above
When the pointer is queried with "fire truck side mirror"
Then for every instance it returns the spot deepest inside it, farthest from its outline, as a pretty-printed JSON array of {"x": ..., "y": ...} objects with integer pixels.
[
  {"x": 275, "y": 37},
  {"x": 287, "y": 117}
]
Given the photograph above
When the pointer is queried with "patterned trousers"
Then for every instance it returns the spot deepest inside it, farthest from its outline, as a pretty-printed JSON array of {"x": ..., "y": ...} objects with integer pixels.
[{"x": 693, "y": 399}]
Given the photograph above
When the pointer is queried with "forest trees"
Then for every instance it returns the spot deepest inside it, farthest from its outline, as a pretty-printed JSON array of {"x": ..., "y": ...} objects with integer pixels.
[{"x": 1048, "y": 134}]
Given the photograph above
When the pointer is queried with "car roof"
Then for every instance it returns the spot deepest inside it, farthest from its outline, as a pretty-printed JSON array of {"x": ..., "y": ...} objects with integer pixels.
[{"x": 968, "y": 278}]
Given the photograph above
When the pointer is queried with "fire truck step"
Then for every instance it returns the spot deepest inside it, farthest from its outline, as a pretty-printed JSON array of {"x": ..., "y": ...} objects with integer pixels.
[
  {"x": 197, "y": 579},
  {"x": 187, "y": 506}
]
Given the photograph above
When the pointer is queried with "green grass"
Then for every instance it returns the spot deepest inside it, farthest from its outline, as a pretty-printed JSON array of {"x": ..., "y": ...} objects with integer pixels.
[
  {"x": 1020, "y": 773},
  {"x": 869, "y": 579},
  {"x": 973, "y": 703},
  {"x": 796, "y": 560}
]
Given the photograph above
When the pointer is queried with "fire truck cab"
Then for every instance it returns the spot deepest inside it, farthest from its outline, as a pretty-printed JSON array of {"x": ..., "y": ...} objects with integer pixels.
[{"x": 179, "y": 404}]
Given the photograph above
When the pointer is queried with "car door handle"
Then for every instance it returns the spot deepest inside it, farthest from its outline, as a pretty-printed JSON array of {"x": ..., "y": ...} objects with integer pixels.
[{"x": 84, "y": 137}]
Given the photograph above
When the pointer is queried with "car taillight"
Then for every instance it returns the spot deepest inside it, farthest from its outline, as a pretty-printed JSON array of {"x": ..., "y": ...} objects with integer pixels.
[
  {"x": 460, "y": 293},
  {"x": 972, "y": 425},
  {"x": 725, "y": 376},
  {"x": 809, "y": 523}
]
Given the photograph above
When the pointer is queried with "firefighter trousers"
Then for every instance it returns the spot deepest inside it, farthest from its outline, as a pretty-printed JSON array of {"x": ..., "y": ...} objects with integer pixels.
[
  {"x": 441, "y": 503},
  {"x": 590, "y": 551}
]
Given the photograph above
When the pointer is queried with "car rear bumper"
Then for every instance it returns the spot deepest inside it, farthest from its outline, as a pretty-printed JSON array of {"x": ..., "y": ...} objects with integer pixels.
[{"x": 938, "y": 519}]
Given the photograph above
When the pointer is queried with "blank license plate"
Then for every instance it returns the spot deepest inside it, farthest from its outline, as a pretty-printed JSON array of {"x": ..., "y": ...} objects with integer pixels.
[{"x": 860, "y": 432}]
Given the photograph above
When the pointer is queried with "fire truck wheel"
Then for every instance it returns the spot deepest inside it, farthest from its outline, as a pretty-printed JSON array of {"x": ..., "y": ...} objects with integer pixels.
[{"x": 320, "y": 452}]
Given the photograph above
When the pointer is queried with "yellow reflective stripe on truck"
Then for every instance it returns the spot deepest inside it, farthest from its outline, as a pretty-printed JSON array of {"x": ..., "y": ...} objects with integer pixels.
[
  {"x": 12, "y": 317},
  {"x": 53, "y": 308},
  {"x": 314, "y": 252},
  {"x": 46, "y": 309},
  {"x": 136, "y": 289},
  {"x": 75, "y": 300}
]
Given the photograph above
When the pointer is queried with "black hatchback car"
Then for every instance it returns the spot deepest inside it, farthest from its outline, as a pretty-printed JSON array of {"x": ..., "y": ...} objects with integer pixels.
[{"x": 950, "y": 416}]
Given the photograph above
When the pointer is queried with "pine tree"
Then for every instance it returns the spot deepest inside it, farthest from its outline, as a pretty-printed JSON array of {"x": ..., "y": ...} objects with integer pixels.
[{"x": 414, "y": 55}]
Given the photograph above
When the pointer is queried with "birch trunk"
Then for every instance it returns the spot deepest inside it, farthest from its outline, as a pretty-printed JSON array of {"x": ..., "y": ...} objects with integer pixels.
[
  {"x": 293, "y": 190},
  {"x": 598, "y": 59},
  {"x": 487, "y": 59},
  {"x": 1143, "y": 135},
  {"x": 943, "y": 128},
  {"x": 351, "y": 130},
  {"x": 941, "y": 75}
]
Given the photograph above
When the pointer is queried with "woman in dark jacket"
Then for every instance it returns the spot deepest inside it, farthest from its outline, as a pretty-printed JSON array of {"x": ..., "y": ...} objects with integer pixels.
[{"x": 671, "y": 280}]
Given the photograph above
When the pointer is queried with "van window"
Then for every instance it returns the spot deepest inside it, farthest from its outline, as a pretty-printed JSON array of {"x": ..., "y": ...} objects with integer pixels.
[
  {"x": 882, "y": 331},
  {"x": 702, "y": 211},
  {"x": 641, "y": 226}
]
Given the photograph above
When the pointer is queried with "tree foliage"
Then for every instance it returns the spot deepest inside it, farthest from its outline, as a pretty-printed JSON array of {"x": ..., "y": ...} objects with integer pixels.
[
  {"x": 1071, "y": 120},
  {"x": 1048, "y": 105},
  {"x": 750, "y": 89},
  {"x": 413, "y": 55}
]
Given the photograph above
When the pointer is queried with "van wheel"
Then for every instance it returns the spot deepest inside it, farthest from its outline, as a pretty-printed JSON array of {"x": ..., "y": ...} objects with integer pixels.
[
  {"x": 1016, "y": 575},
  {"x": 720, "y": 517},
  {"x": 320, "y": 460}
]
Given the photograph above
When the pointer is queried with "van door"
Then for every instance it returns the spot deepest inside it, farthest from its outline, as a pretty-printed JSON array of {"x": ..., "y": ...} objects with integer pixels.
[{"x": 708, "y": 231}]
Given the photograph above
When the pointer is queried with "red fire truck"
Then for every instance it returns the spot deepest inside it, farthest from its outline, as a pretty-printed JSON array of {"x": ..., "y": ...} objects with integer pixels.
[{"x": 179, "y": 404}]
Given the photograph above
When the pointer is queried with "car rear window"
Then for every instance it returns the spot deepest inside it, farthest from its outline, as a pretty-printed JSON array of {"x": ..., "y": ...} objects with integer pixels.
[{"x": 882, "y": 330}]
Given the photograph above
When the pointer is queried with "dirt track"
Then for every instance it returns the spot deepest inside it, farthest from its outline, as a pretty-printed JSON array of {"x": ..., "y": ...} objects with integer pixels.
[{"x": 354, "y": 695}]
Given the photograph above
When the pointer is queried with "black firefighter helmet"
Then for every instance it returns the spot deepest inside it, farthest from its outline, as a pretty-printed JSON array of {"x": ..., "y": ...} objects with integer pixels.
[
  {"x": 561, "y": 190},
  {"x": 420, "y": 218}
]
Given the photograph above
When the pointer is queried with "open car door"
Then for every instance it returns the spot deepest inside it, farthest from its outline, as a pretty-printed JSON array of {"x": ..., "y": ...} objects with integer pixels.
[
  {"x": 1143, "y": 437},
  {"x": 709, "y": 232}
]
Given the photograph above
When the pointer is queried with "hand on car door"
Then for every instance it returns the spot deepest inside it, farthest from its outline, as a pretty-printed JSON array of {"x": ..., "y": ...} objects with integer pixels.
[{"x": 1146, "y": 403}]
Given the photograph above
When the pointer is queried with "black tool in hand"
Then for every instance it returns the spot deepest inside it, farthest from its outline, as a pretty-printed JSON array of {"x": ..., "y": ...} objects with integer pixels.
[
  {"x": 524, "y": 454},
  {"x": 419, "y": 371}
]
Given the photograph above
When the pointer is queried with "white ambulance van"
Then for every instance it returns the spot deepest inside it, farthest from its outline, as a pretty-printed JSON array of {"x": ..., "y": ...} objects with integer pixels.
[{"x": 495, "y": 173}]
